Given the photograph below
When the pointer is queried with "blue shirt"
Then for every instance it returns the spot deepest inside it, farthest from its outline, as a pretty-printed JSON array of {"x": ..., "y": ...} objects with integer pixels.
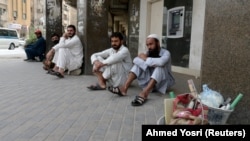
[{"x": 39, "y": 45}]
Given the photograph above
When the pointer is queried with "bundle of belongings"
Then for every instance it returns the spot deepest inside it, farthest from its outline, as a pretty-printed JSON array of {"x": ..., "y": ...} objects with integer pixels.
[{"x": 188, "y": 110}]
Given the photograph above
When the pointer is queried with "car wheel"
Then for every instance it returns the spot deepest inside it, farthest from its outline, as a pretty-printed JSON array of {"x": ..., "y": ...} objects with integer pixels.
[{"x": 12, "y": 46}]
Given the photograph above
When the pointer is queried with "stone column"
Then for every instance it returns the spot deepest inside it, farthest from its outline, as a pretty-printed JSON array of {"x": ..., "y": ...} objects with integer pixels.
[
  {"x": 53, "y": 20},
  {"x": 93, "y": 28},
  {"x": 81, "y": 25},
  {"x": 225, "y": 60},
  {"x": 133, "y": 27}
]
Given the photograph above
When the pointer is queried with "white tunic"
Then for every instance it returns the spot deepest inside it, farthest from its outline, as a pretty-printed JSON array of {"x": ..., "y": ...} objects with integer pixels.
[
  {"x": 156, "y": 68},
  {"x": 118, "y": 64},
  {"x": 69, "y": 53}
]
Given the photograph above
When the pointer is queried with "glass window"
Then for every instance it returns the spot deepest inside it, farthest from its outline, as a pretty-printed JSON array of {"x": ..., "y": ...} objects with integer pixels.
[
  {"x": 178, "y": 47},
  {"x": 3, "y": 32},
  {"x": 24, "y": 16},
  {"x": 12, "y": 33}
]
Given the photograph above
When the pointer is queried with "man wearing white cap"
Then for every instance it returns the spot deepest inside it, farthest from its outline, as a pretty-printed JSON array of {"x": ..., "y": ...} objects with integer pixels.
[{"x": 152, "y": 70}]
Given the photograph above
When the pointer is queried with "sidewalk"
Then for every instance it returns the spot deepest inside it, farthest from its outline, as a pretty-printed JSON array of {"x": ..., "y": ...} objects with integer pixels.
[
  {"x": 12, "y": 54},
  {"x": 36, "y": 106}
]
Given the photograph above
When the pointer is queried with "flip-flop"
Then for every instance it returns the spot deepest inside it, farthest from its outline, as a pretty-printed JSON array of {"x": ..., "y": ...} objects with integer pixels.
[
  {"x": 96, "y": 87},
  {"x": 115, "y": 90},
  {"x": 51, "y": 71},
  {"x": 138, "y": 101},
  {"x": 59, "y": 75}
]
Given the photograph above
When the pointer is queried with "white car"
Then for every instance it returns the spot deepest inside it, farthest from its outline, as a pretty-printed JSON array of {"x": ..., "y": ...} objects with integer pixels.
[
  {"x": 8, "y": 38},
  {"x": 22, "y": 42}
]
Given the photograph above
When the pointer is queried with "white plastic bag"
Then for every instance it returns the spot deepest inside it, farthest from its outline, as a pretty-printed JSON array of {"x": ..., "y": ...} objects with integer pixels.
[{"x": 210, "y": 97}]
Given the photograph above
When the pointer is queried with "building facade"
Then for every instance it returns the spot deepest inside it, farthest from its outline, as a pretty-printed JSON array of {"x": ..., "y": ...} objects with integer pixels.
[
  {"x": 69, "y": 15},
  {"x": 3, "y": 12},
  {"x": 19, "y": 15},
  {"x": 208, "y": 39},
  {"x": 38, "y": 15}
]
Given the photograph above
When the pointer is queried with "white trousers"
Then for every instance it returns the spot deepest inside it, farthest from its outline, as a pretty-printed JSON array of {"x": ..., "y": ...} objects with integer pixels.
[
  {"x": 65, "y": 60},
  {"x": 159, "y": 74},
  {"x": 115, "y": 74}
]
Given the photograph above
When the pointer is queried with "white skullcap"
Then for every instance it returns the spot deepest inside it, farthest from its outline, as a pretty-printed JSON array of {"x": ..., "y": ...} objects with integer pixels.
[{"x": 155, "y": 36}]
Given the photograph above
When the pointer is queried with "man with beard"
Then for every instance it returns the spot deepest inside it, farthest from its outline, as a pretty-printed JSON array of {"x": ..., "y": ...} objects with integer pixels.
[
  {"x": 48, "y": 64},
  {"x": 68, "y": 53},
  {"x": 112, "y": 65},
  {"x": 151, "y": 69}
]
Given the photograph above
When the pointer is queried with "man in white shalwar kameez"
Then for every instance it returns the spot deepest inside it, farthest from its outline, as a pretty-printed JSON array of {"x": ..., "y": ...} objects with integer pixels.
[
  {"x": 151, "y": 69},
  {"x": 68, "y": 53},
  {"x": 112, "y": 65}
]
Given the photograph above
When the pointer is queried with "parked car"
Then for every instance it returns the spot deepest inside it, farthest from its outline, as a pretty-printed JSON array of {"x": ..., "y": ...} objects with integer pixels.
[
  {"x": 8, "y": 38},
  {"x": 22, "y": 42}
]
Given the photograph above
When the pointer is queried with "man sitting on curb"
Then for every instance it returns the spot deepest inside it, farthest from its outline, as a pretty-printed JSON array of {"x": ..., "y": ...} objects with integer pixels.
[
  {"x": 37, "y": 49},
  {"x": 152, "y": 70},
  {"x": 48, "y": 64},
  {"x": 68, "y": 53},
  {"x": 111, "y": 65}
]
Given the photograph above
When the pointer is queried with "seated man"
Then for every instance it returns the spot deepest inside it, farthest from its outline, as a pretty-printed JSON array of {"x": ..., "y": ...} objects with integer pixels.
[
  {"x": 68, "y": 53},
  {"x": 37, "y": 49},
  {"x": 48, "y": 64},
  {"x": 151, "y": 69},
  {"x": 111, "y": 65}
]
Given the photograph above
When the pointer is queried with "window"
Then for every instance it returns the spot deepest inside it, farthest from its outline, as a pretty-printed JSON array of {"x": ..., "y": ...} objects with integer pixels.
[
  {"x": 2, "y": 11},
  {"x": 14, "y": 14},
  {"x": 12, "y": 33},
  {"x": 3, "y": 32},
  {"x": 24, "y": 16}
]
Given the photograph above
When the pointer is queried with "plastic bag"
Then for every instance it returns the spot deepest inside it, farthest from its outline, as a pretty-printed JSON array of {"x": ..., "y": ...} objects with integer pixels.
[
  {"x": 182, "y": 115},
  {"x": 210, "y": 97}
]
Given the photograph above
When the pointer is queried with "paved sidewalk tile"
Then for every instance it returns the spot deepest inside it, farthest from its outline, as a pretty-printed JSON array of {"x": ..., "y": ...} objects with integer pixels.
[{"x": 36, "y": 106}]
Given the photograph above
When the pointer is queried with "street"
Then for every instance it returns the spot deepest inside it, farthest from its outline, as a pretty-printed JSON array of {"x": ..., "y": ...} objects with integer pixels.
[{"x": 16, "y": 53}]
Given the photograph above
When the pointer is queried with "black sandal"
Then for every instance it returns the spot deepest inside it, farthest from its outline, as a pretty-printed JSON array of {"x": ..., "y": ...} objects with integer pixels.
[
  {"x": 59, "y": 75},
  {"x": 51, "y": 71},
  {"x": 115, "y": 90},
  {"x": 138, "y": 101},
  {"x": 96, "y": 87}
]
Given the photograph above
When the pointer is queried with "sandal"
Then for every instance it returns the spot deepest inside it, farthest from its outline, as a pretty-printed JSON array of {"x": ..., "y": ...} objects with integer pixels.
[
  {"x": 138, "y": 101},
  {"x": 115, "y": 90},
  {"x": 96, "y": 87},
  {"x": 51, "y": 71},
  {"x": 59, "y": 75}
]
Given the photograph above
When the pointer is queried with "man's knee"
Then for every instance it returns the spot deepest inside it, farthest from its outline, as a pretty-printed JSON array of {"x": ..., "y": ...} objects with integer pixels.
[
  {"x": 61, "y": 50},
  {"x": 159, "y": 70},
  {"x": 136, "y": 70},
  {"x": 27, "y": 50}
]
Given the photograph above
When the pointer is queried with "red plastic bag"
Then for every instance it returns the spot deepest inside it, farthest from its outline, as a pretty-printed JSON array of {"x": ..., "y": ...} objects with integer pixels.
[{"x": 184, "y": 115}]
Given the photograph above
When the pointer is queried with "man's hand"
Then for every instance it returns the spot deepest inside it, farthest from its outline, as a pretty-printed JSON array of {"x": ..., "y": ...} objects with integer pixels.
[
  {"x": 65, "y": 35},
  {"x": 143, "y": 56},
  {"x": 97, "y": 65}
]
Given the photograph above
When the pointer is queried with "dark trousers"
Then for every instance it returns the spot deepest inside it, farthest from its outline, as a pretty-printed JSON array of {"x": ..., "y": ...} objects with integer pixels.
[{"x": 32, "y": 53}]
